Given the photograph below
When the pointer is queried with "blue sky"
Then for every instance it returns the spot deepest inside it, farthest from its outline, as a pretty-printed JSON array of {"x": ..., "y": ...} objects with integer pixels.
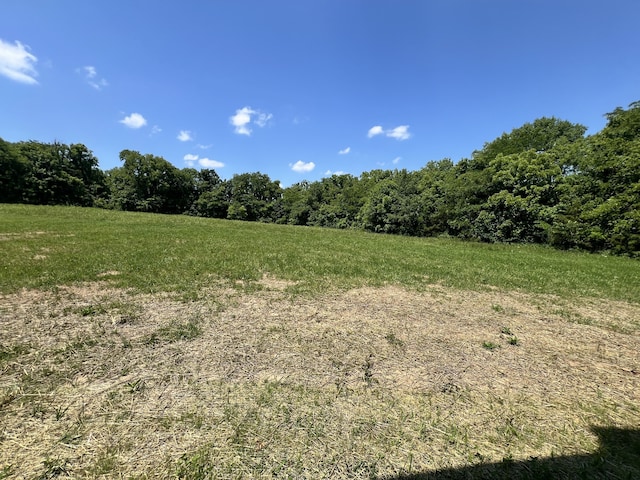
[{"x": 301, "y": 89}]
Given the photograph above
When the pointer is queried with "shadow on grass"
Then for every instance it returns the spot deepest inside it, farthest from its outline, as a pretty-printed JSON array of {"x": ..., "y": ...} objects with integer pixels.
[{"x": 617, "y": 458}]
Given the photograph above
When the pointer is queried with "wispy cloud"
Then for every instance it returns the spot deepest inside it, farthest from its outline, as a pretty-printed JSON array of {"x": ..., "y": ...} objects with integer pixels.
[
  {"x": 155, "y": 129},
  {"x": 246, "y": 116},
  {"x": 302, "y": 167},
  {"x": 185, "y": 136},
  {"x": 329, "y": 173},
  {"x": 400, "y": 132},
  {"x": 209, "y": 163},
  {"x": 344, "y": 151},
  {"x": 396, "y": 160},
  {"x": 262, "y": 119},
  {"x": 204, "y": 147},
  {"x": 135, "y": 120},
  {"x": 191, "y": 160},
  {"x": 373, "y": 131},
  {"x": 17, "y": 63},
  {"x": 91, "y": 76}
]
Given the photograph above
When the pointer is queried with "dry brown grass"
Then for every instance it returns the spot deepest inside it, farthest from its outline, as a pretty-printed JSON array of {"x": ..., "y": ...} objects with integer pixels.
[{"x": 98, "y": 382}]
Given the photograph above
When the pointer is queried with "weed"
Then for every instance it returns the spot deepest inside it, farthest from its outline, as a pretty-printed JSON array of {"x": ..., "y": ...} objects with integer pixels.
[
  {"x": 194, "y": 466},
  {"x": 77, "y": 345},
  {"x": 72, "y": 437},
  {"x": 60, "y": 412},
  {"x": 135, "y": 386},
  {"x": 498, "y": 308},
  {"x": 393, "y": 340},
  {"x": 54, "y": 467},
  {"x": 490, "y": 345},
  {"x": 513, "y": 340},
  {"x": 38, "y": 410},
  {"x": 91, "y": 310},
  {"x": 104, "y": 464},
  {"x": 6, "y": 471},
  {"x": 176, "y": 331},
  {"x": 367, "y": 370},
  {"x": 10, "y": 352}
]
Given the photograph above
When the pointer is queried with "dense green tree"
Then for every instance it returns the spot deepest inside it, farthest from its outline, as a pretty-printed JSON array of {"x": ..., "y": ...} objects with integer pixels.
[
  {"x": 335, "y": 201},
  {"x": 389, "y": 209},
  {"x": 600, "y": 199},
  {"x": 213, "y": 203},
  {"x": 522, "y": 209},
  {"x": 294, "y": 206},
  {"x": 542, "y": 182},
  {"x": 148, "y": 183},
  {"x": 60, "y": 174},
  {"x": 434, "y": 187},
  {"x": 14, "y": 171},
  {"x": 252, "y": 197},
  {"x": 541, "y": 135}
]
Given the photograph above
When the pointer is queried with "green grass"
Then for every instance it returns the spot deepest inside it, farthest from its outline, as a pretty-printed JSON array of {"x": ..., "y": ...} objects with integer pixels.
[{"x": 44, "y": 247}]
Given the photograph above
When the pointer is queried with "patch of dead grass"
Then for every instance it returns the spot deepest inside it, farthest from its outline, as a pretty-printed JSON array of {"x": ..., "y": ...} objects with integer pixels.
[{"x": 344, "y": 385}]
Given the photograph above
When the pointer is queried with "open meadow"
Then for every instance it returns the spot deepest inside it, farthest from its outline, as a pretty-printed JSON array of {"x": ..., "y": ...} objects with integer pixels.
[{"x": 150, "y": 346}]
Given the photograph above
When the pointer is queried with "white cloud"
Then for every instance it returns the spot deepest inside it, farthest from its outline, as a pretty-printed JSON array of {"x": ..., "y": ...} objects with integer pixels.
[
  {"x": 241, "y": 119},
  {"x": 344, "y": 151},
  {"x": 91, "y": 76},
  {"x": 17, "y": 63},
  {"x": 204, "y": 147},
  {"x": 373, "y": 131},
  {"x": 396, "y": 160},
  {"x": 155, "y": 129},
  {"x": 135, "y": 120},
  {"x": 185, "y": 136},
  {"x": 329, "y": 173},
  {"x": 400, "y": 132},
  {"x": 191, "y": 159},
  {"x": 302, "y": 167},
  {"x": 208, "y": 163},
  {"x": 245, "y": 116}
]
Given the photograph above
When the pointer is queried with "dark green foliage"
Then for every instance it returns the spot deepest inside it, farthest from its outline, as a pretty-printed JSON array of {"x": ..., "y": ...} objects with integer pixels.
[
  {"x": 146, "y": 183},
  {"x": 544, "y": 182},
  {"x": 14, "y": 170},
  {"x": 49, "y": 174}
]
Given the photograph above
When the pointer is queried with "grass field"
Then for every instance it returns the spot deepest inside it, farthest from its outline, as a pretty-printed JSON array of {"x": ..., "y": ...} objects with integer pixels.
[{"x": 148, "y": 346}]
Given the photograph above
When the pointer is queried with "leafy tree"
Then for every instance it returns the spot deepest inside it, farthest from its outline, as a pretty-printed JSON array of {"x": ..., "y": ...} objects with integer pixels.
[
  {"x": 540, "y": 136},
  {"x": 393, "y": 205},
  {"x": 600, "y": 200},
  {"x": 436, "y": 179},
  {"x": 390, "y": 210},
  {"x": 294, "y": 204},
  {"x": 14, "y": 170},
  {"x": 59, "y": 174},
  {"x": 148, "y": 183},
  {"x": 335, "y": 201},
  {"x": 213, "y": 202},
  {"x": 252, "y": 197}
]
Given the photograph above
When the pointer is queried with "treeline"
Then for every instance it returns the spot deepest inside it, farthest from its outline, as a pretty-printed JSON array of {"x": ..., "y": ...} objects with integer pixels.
[{"x": 545, "y": 182}]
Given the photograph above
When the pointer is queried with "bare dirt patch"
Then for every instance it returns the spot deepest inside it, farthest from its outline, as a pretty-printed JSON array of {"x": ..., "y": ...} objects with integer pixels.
[{"x": 96, "y": 381}]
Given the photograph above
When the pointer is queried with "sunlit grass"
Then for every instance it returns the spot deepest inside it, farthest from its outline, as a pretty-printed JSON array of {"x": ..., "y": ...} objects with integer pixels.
[{"x": 43, "y": 247}]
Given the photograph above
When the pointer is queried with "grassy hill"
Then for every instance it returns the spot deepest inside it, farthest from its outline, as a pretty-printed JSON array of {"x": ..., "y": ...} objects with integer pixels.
[
  {"x": 44, "y": 247},
  {"x": 150, "y": 346}
]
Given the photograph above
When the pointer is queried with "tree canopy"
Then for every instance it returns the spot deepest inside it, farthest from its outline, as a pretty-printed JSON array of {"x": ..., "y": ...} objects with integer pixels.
[{"x": 545, "y": 182}]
